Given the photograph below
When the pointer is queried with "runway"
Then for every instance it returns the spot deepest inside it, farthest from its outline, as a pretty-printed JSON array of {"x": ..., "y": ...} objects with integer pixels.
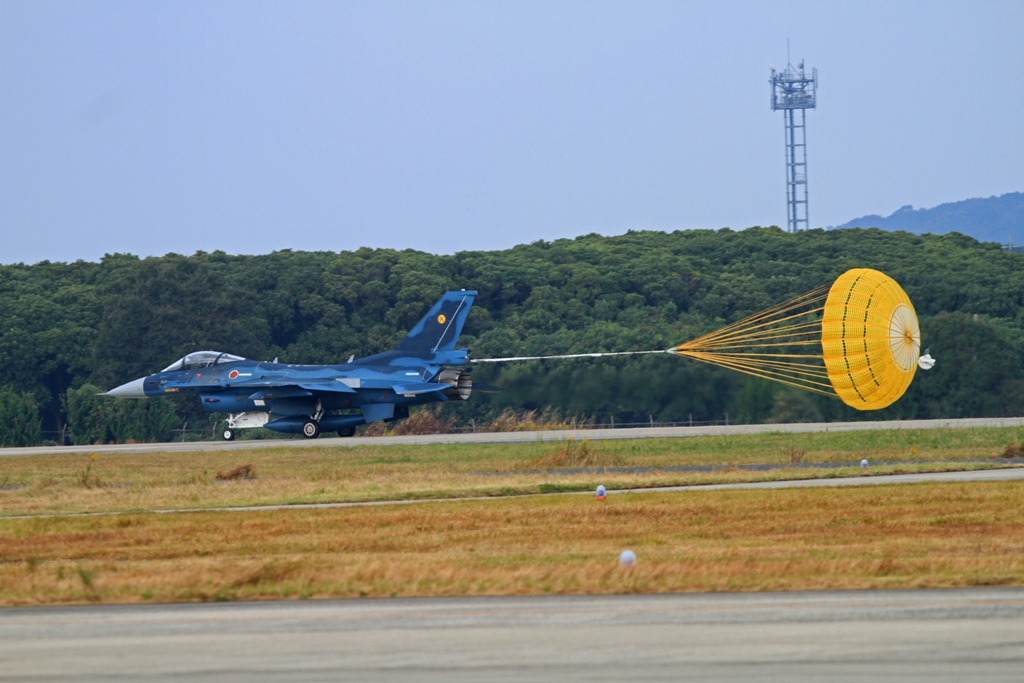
[
  {"x": 520, "y": 437},
  {"x": 918, "y": 635}
]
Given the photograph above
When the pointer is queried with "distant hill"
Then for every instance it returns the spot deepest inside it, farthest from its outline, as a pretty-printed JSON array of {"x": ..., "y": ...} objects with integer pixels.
[{"x": 986, "y": 220}]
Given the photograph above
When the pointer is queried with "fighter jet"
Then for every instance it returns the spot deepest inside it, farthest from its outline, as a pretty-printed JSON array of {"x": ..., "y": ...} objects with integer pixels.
[{"x": 310, "y": 399}]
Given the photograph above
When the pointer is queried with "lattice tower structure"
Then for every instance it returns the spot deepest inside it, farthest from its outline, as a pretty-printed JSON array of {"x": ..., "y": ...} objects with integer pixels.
[{"x": 794, "y": 92}]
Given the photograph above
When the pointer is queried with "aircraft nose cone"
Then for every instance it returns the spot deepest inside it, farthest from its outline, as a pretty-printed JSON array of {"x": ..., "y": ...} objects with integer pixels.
[{"x": 132, "y": 389}]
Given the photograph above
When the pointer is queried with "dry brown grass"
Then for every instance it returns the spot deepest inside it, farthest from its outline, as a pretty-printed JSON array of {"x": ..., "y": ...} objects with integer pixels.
[
  {"x": 575, "y": 454},
  {"x": 429, "y": 421},
  {"x": 795, "y": 455},
  {"x": 1014, "y": 450},
  {"x": 240, "y": 472},
  {"x": 124, "y": 482},
  {"x": 548, "y": 419},
  {"x": 423, "y": 421},
  {"x": 876, "y": 537}
]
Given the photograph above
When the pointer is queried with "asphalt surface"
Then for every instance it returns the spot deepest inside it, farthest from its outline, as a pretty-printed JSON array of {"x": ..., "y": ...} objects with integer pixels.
[
  {"x": 994, "y": 474},
  {"x": 519, "y": 437},
  {"x": 920, "y": 635}
]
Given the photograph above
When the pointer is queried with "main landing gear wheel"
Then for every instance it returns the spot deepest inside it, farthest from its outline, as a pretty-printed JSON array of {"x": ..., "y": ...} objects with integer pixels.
[
  {"x": 347, "y": 431},
  {"x": 311, "y": 429},
  {"x": 229, "y": 434}
]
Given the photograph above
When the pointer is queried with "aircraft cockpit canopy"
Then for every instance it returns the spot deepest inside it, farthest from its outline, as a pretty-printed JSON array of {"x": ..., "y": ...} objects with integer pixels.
[{"x": 201, "y": 359}]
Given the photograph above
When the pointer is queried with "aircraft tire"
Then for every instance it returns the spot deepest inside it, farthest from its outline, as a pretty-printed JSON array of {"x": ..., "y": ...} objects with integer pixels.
[
  {"x": 311, "y": 429},
  {"x": 347, "y": 431},
  {"x": 229, "y": 434}
]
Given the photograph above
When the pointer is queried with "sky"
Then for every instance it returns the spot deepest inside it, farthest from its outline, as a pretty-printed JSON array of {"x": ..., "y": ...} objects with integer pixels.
[{"x": 249, "y": 127}]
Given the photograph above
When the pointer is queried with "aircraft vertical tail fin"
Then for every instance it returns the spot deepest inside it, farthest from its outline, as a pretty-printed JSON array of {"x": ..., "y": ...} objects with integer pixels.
[{"x": 440, "y": 328}]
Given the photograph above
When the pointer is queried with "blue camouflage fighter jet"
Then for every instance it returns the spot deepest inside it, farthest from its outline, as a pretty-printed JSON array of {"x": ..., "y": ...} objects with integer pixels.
[{"x": 310, "y": 399}]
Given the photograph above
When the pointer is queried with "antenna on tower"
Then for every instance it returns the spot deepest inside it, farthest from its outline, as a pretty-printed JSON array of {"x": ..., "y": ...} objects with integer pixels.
[{"x": 794, "y": 91}]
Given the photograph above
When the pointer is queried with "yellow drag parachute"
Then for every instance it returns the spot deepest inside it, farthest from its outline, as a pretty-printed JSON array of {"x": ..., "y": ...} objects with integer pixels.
[
  {"x": 858, "y": 339},
  {"x": 870, "y": 339}
]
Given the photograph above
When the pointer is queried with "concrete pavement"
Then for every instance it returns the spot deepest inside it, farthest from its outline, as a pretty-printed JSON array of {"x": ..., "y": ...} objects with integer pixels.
[{"x": 917, "y": 635}]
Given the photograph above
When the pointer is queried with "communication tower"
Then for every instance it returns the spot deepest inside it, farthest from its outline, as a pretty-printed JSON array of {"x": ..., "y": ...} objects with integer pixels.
[{"x": 794, "y": 92}]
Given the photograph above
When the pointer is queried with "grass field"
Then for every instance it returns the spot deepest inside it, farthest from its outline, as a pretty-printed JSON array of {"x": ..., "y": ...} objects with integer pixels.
[
  {"x": 62, "y": 484},
  {"x": 874, "y": 537},
  {"x": 891, "y": 536}
]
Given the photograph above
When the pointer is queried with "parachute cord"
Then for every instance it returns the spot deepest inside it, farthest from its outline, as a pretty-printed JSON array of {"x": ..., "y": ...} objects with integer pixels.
[
  {"x": 764, "y": 345},
  {"x": 813, "y": 339},
  {"x": 569, "y": 355},
  {"x": 760, "y": 328},
  {"x": 797, "y": 370},
  {"x": 763, "y": 373},
  {"x": 763, "y": 318},
  {"x": 794, "y": 332},
  {"x": 744, "y": 365}
]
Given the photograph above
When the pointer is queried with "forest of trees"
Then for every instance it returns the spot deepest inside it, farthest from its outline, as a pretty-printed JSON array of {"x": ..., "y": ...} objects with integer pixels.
[{"x": 70, "y": 330}]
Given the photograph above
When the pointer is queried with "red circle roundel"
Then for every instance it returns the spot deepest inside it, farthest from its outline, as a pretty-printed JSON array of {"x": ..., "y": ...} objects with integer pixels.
[{"x": 233, "y": 374}]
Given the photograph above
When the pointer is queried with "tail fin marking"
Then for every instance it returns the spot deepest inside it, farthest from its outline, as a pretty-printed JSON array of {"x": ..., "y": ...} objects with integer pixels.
[{"x": 440, "y": 328}]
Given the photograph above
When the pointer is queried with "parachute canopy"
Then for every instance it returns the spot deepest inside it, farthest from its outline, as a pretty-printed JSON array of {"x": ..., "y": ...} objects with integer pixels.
[
  {"x": 870, "y": 339},
  {"x": 858, "y": 339}
]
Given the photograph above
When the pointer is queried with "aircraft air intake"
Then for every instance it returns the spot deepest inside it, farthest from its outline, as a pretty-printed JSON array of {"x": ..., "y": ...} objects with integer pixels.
[{"x": 460, "y": 381}]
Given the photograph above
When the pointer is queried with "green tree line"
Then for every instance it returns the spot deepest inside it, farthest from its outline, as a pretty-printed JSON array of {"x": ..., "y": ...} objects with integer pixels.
[{"x": 68, "y": 329}]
